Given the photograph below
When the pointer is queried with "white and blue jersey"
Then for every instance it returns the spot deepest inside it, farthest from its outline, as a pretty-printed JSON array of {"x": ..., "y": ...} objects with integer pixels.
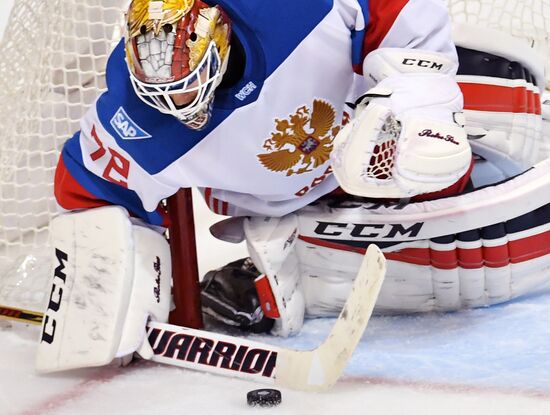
[{"x": 265, "y": 149}]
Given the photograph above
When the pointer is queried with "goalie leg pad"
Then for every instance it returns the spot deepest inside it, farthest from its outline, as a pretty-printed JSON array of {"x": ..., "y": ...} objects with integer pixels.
[
  {"x": 476, "y": 249},
  {"x": 502, "y": 80},
  {"x": 108, "y": 277}
]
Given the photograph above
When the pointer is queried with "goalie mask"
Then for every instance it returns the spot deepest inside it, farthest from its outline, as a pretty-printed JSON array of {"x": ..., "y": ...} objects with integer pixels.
[{"x": 177, "y": 53}]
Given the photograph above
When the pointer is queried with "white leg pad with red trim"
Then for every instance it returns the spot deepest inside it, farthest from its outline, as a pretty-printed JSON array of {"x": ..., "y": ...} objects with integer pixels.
[
  {"x": 108, "y": 277},
  {"x": 503, "y": 115},
  {"x": 476, "y": 249}
]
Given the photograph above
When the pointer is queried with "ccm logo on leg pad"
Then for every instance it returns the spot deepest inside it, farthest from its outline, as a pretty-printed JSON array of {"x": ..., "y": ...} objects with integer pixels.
[{"x": 48, "y": 327}]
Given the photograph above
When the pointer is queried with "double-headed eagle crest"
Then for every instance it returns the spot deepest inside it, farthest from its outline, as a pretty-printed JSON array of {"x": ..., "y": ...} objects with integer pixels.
[{"x": 303, "y": 142}]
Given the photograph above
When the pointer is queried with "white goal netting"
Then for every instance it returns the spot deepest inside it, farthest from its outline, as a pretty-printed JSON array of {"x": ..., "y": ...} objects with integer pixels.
[
  {"x": 528, "y": 20},
  {"x": 51, "y": 69}
]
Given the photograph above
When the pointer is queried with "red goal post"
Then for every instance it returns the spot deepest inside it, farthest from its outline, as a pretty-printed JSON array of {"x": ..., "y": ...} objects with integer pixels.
[{"x": 185, "y": 272}]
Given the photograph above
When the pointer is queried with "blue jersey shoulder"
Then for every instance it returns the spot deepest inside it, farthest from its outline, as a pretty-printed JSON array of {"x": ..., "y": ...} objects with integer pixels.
[{"x": 269, "y": 32}]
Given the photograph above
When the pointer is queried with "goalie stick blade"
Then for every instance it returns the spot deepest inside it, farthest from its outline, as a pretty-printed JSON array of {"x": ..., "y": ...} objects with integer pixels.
[{"x": 312, "y": 370}]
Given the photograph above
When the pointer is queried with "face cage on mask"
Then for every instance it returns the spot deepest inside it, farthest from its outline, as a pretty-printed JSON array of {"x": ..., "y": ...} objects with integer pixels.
[
  {"x": 158, "y": 95},
  {"x": 200, "y": 119}
]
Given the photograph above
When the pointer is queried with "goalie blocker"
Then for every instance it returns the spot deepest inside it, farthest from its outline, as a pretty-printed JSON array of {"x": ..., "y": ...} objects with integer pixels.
[{"x": 110, "y": 283}]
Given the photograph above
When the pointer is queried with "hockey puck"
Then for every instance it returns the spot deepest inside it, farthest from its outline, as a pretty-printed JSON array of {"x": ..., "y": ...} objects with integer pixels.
[{"x": 263, "y": 397}]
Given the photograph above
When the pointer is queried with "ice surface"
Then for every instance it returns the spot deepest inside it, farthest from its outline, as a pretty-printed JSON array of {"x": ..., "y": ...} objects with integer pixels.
[{"x": 487, "y": 361}]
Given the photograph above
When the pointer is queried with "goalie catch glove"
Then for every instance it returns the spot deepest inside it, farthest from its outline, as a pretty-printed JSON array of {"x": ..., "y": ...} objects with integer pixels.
[
  {"x": 263, "y": 292},
  {"x": 228, "y": 295},
  {"x": 407, "y": 136}
]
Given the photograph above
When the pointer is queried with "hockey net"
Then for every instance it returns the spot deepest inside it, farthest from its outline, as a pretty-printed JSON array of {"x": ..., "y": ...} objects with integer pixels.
[
  {"x": 52, "y": 68},
  {"x": 527, "y": 20}
]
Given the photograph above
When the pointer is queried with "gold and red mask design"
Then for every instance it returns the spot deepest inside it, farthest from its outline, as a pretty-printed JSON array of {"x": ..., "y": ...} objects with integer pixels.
[{"x": 177, "y": 47}]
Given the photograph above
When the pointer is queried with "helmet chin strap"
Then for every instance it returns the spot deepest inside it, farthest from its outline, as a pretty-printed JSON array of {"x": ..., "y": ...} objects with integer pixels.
[{"x": 199, "y": 120}]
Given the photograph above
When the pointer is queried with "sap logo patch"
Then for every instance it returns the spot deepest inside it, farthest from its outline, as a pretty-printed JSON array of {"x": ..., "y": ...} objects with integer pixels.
[{"x": 126, "y": 128}]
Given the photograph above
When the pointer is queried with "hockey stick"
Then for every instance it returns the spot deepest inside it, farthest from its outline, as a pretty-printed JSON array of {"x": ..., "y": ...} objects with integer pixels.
[
  {"x": 316, "y": 369},
  {"x": 20, "y": 315}
]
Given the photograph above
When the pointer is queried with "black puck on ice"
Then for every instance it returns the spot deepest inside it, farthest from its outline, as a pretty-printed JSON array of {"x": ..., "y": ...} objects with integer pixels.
[{"x": 263, "y": 397}]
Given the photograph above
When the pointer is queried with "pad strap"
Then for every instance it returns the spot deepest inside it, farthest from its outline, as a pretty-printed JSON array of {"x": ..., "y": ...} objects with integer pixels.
[{"x": 271, "y": 245}]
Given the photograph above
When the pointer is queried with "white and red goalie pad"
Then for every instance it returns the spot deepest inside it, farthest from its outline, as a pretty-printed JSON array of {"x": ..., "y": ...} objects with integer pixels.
[
  {"x": 108, "y": 277},
  {"x": 476, "y": 249},
  {"x": 502, "y": 80}
]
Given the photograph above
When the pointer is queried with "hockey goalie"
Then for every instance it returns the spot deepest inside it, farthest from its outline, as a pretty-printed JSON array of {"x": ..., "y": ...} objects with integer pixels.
[{"x": 319, "y": 128}]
